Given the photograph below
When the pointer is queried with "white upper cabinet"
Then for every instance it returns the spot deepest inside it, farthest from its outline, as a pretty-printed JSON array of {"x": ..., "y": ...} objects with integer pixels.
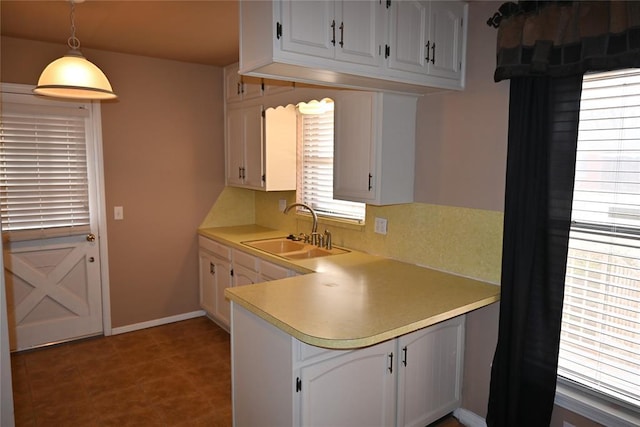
[
  {"x": 375, "y": 44},
  {"x": 374, "y": 147},
  {"x": 244, "y": 137},
  {"x": 239, "y": 88},
  {"x": 345, "y": 30},
  {"x": 427, "y": 38},
  {"x": 305, "y": 28},
  {"x": 261, "y": 148}
]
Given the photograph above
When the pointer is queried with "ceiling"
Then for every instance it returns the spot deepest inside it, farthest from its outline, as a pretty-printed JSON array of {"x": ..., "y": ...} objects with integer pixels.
[{"x": 204, "y": 31}]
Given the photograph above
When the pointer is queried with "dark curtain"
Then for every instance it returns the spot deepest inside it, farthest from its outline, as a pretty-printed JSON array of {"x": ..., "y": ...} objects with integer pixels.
[
  {"x": 565, "y": 38},
  {"x": 543, "y": 125}
]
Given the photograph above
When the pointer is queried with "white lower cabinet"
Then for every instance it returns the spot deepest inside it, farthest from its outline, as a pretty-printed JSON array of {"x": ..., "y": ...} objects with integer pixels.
[
  {"x": 215, "y": 277},
  {"x": 222, "y": 267},
  {"x": 430, "y": 363},
  {"x": 352, "y": 388},
  {"x": 409, "y": 381}
]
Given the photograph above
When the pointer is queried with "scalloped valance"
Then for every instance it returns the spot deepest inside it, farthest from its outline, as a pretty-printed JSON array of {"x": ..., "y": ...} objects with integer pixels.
[{"x": 564, "y": 38}]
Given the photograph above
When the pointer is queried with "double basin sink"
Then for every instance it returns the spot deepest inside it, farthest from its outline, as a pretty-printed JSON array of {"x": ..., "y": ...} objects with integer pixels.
[{"x": 291, "y": 249}]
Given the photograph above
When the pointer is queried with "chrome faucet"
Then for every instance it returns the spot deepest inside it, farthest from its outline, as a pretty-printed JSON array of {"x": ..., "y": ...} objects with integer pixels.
[{"x": 314, "y": 227}]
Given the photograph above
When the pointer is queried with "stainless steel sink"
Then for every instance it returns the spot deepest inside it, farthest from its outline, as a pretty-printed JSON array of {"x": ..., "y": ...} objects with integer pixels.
[{"x": 290, "y": 249}]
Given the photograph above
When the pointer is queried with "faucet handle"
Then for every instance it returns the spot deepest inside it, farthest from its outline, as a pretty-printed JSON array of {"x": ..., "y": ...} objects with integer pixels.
[{"x": 327, "y": 239}]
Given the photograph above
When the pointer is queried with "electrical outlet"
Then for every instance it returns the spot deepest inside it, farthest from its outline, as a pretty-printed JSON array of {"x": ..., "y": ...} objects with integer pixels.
[
  {"x": 118, "y": 213},
  {"x": 282, "y": 205},
  {"x": 381, "y": 225}
]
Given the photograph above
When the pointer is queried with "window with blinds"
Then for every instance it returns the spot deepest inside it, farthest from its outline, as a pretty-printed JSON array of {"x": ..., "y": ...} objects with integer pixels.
[
  {"x": 315, "y": 163},
  {"x": 600, "y": 341},
  {"x": 43, "y": 168}
]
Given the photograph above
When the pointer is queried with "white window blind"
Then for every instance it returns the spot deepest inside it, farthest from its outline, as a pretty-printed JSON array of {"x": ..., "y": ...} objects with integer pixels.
[
  {"x": 43, "y": 168},
  {"x": 600, "y": 341},
  {"x": 315, "y": 177}
]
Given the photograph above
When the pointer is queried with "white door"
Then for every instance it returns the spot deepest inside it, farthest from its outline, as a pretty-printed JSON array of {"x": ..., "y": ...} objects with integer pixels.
[{"x": 52, "y": 259}]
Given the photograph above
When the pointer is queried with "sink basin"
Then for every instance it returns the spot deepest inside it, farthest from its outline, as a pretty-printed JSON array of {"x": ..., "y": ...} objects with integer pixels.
[
  {"x": 290, "y": 249},
  {"x": 309, "y": 253},
  {"x": 276, "y": 246}
]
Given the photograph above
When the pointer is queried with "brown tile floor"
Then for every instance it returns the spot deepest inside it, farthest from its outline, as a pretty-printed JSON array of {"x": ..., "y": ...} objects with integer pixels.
[{"x": 171, "y": 375}]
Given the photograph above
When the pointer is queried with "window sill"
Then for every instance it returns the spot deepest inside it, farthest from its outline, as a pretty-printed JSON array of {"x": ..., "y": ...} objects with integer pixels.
[
  {"x": 332, "y": 222},
  {"x": 593, "y": 407}
]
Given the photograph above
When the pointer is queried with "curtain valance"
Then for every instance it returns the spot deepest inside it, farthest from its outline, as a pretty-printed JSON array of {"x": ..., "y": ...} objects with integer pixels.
[{"x": 564, "y": 38}]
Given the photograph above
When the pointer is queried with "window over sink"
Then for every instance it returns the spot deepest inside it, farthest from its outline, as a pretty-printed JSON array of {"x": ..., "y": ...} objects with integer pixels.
[{"x": 315, "y": 163}]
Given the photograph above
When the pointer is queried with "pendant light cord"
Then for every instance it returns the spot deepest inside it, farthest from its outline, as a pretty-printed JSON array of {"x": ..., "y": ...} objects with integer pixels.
[{"x": 73, "y": 41}]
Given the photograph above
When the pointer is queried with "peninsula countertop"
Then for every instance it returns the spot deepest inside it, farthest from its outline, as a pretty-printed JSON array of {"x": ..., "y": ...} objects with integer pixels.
[{"x": 354, "y": 299}]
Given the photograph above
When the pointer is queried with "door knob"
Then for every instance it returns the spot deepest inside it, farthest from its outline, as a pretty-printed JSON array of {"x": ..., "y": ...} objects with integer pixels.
[{"x": 91, "y": 237}]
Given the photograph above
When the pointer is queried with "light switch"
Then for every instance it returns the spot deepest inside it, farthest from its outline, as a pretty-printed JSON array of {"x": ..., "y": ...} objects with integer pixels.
[
  {"x": 118, "y": 213},
  {"x": 282, "y": 204}
]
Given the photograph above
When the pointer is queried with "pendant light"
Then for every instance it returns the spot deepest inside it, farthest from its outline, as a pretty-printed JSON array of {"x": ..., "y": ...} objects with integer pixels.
[{"x": 73, "y": 76}]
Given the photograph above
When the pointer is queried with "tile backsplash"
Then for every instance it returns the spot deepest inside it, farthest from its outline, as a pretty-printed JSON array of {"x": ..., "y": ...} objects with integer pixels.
[{"x": 463, "y": 241}]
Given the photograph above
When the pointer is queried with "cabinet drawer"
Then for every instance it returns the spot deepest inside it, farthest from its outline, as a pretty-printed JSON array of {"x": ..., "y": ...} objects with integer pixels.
[
  {"x": 245, "y": 260},
  {"x": 270, "y": 271},
  {"x": 214, "y": 247}
]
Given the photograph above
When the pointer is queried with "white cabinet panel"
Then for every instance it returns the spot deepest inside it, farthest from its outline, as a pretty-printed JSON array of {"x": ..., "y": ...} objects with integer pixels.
[
  {"x": 408, "y": 35},
  {"x": 307, "y": 28},
  {"x": 430, "y": 372},
  {"x": 353, "y": 389},
  {"x": 374, "y": 157},
  {"x": 427, "y": 37},
  {"x": 244, "y": 146},
  {"x": 215, "y": 277}
]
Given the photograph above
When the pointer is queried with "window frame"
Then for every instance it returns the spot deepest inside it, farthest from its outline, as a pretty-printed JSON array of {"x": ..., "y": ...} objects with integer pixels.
[
  {"x": 578, "y": 397},
  {"x": 324, "y": 214}
]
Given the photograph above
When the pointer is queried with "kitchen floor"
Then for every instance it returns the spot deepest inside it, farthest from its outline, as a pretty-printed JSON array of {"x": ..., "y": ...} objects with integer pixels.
[{"x": 171, "y": 375}]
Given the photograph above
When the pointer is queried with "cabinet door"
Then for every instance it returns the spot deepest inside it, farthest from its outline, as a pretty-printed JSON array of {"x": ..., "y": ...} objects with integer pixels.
[
  {"x": 354, "y": 389},
  {"x": 215, "y": 277},
  {"x": 270, "y": 271},
  {"x": 232, "y": 84},
  {"x": 279, "y": 149},
  {"x": 207, "y": 282},
  {"x": 430, "y": 372},
  {"x": 253, "y": 147},
  {"x": 354, "y": 147},
  {"x": 244, "y": 276},
  {"x": 446, "y": 29},
  {"x": 359, "y": 30},
  {"x": 408, "y": 35},
  {"x": 308, "y": 27},
  {"x": 244, "y": 147},
  {"x": 235, "y": 146}
]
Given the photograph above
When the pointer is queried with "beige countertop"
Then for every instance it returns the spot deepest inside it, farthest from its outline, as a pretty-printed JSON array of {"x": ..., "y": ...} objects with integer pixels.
[{"x": 351, "y": 300}]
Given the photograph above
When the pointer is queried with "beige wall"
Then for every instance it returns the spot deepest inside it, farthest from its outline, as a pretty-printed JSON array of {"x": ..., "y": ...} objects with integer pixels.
[
  {"x": 461, "y": 136},
  {"x": 163, "y": 161}
]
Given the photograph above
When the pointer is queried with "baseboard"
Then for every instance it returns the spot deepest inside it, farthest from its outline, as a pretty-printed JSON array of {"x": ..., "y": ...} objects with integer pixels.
[
  {"x": 157, "y": 322},
  {"x": 469, "y": 418}
]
